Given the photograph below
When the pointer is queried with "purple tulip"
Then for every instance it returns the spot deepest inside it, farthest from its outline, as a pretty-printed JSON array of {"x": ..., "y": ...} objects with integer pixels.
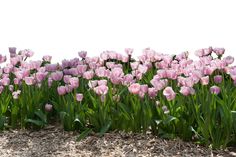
[{"x": 215, "y": 90}]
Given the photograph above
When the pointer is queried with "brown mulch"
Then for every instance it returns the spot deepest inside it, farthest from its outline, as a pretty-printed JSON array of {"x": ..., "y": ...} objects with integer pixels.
[{"x": 53, "y": 141}]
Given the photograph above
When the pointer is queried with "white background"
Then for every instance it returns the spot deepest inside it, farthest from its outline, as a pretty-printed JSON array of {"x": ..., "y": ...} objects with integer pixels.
[{"x": 62, "y": 28}]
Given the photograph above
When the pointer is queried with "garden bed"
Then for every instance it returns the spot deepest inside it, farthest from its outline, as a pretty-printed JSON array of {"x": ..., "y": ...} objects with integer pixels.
[
  {"x": 53, "y": 141},
  {"x": 169, "y": 96}
]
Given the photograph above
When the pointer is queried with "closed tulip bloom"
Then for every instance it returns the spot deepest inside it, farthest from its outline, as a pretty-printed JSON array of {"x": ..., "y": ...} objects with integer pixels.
[
  {"x": 218, "y": 79},
  {"x": 66, "y": 78},
  {"x": 79, "y": 97},
  {"x": 57, "y": 76},
  {"x": 144, "y": 88},
  {"x": 205, "y": 80},
  {"x": 219, "y": 51},
  {"x": 215, "y": 90},
  {"x": 69, "y": 88},
  {"x": 61, "y": 90},
  {"x": 229, "y": 60},
  {"x": 74, "y": 82},
  {"x": 47, "y": 58},
  {"x": 129, "y": 51},
  {"x": 134, "y": 88},
  {"x": 82, "y": 54},
  {"x": 11, "y": 88},
  {"x": 2, "y": 59},
  {"x": 169, "y": 93},
  {"x": 88, "y": 75},
  {"x": 186, "y": 90},
  {"x": 92, "y": 83},
  {"x": 29, "y": 80},
  {"x": 48, "y": 107},
  {"x": 101, "y": 90},
  {"x": 152, "y": 92},
  {"x": 16, "y": 94},
  {"x": 5, "y": 81},
  {"x": 12, "y": 51},
  {"x": 16, "y": 81},
  {"x": 102, "y": 82},
  {"x": 40, "y": 76}
]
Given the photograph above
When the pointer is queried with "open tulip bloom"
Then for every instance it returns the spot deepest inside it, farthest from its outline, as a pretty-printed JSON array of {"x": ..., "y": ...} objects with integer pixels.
[{"x": 169, "y": 95}]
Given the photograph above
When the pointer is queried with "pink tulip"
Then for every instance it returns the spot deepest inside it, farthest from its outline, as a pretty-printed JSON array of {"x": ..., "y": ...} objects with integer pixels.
[
  {"x": 16, "y": 94},
  {"x": 171, "y": 74},
  {"x": 152, "y": 92},
  {"x": 101, "y": 90},
  {"x": 16, "y": 81},
  {"x": 79, "y": 97},
  {"x": 29, "y": 80},
  {"x": 219, "y": 51},
  {"x": 159, "y": 84},
  {"x": 228, "y": 60},
  {"x": 69, "y": 88},
  {"x": 11, "y": 88},
  {"x": 66, "y": 78},
  {"x": 134, "y": 65},
  {"x": 5, "y": 81},
  {"x": 186, "y": 90},
  {"x": 142, "y": 68},
  {"x": 102, "y": 82},
  {"x": 12, "y": 51},
  {"x": 74, "y": 82},
  {"x": 215, "y": 90},
  {"x": 40, "y": 76},
  {"x": 205, "y": 80},
  {"x": 129, "y": 51},
  {"x": 144, "y": 88},
  {"x": 27, "y": 53},
  {"x": 50, "y": 81},
  {"x": 2, "y": 59},
  {"x": 169, "y": 93},
  {"x": 82, "y": 54},
  {"x": 218, "y": 79},
  {"x": 88, "y": 75},
  {"x": 134, "y": 88},
  {"x": 47, "y": 58},
  {"x": 100, "y": 72},
  {"x": 48, "y": 107},
  {"x": 128, "y": 79},
  {"x": 92, "y": 83},
  {"x": 51, "y": 67},
  {"x": 61, "y": 90},
  {"x": 57, "y": 76}
]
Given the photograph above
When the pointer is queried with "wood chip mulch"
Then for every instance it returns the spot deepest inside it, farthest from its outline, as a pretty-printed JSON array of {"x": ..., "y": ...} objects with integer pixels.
[{"x": 52, "y": 141}]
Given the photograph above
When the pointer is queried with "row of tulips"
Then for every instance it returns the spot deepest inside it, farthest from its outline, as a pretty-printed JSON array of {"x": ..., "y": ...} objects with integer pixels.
[{"x": 168, "y": 95}]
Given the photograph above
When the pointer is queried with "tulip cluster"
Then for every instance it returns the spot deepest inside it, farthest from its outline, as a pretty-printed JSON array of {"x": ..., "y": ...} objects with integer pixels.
[{"x": 169, "y": 95}]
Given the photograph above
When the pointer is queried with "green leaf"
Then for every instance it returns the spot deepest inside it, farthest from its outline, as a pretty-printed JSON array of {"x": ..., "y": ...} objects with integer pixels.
[
  {"x": 105, "y": 128},
  {"x": 2, "y": 121},
  {"x": 169, "y": 119},
  {"x": 62, "y": 115},
  {"x": 36, "y": 122},
  {"x": 84, "y": 134},
  {"x": 41, "y": 115}
]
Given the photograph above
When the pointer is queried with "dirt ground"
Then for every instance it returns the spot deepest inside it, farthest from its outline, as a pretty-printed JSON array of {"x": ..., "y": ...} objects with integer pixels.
[{"x": 52, "y": 141}]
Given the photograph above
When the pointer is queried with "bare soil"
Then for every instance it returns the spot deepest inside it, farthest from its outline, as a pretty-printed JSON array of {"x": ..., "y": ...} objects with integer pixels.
[{"x": 52, "y": 141}]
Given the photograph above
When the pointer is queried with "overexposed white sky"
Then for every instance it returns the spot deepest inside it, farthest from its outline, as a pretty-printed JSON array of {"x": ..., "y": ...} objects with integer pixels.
[{"x": 61, "y": 28}]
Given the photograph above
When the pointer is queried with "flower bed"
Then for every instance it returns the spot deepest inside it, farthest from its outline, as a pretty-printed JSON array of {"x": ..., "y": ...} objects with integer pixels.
[{"x": 169, "y": 95}]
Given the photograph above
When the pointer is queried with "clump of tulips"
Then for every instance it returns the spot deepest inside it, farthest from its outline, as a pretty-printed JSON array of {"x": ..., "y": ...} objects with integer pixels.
[{"x": 168, "y": 95}]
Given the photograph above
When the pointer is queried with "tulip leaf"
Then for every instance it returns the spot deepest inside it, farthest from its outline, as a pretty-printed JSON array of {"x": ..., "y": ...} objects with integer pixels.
[{"x": 84, "y": 134}]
